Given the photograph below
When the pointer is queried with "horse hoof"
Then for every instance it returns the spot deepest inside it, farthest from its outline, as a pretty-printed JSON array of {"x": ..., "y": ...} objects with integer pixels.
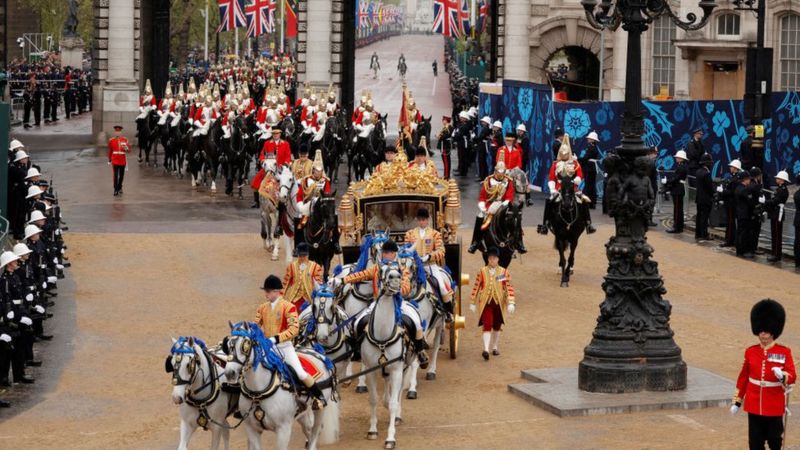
[
  {"x": 564, "y": 284},
  {"x": 390, "y": 444},
  {"x": 398, "y": 421},
  {"x": 361, "y": 389},
  {"x": 430, "y": 376},
  {"x": 412, "y": 395},
  {"x": 372, "y": 435}
]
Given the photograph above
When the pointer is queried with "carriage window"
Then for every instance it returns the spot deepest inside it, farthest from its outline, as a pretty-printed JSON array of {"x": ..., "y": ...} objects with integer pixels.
[{"x": 396, "y": 216}]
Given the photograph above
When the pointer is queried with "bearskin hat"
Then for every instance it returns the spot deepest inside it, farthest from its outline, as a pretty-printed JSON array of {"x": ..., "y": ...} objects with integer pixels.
[{"x": 768, "y": 315}]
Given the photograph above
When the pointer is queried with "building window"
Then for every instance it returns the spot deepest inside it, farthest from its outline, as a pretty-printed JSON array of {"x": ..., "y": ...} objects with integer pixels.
[
  {"x": 728, "y": 25},
  {"x": 790, "y": 52},
  {"x": 663, "y": 55}
]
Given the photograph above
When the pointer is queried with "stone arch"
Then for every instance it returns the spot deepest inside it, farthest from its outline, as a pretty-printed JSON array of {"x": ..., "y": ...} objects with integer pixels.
[{"x": 553, "y": 34}]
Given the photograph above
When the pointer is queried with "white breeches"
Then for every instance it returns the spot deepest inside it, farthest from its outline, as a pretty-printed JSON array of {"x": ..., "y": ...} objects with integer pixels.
[
  {"x": 441, "y": 277},
  {"x": 226, "y": 132},
  {"x": 286, "y": 350},
  {"x": 143, "y": 113},
  {"x": 405, "y": 308},
  {"x": 163, "y": 118}
]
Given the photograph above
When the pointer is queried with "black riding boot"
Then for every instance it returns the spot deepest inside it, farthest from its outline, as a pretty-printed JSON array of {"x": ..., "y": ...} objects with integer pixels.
[
  {"x": 476, "y": 233},
  {"x": 448, "y": 309},
  {"x": 337, "y": 249},
  {"x": 528, "y": 200},
  {"x": 256, "y": 200},
  {"x": 589, "y": 227},
  {"x": 521, "y": 245},
  {"x": 319, "y": 398},
  {"x": 278, "y": 227},
  {"x": 419, "y": 348},
  {"x": 542, "y": 229},
  {"x": 298, "y": 235}
]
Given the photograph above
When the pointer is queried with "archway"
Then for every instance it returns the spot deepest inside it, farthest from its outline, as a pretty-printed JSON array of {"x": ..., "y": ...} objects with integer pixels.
[{"x": 574, "y": 72}]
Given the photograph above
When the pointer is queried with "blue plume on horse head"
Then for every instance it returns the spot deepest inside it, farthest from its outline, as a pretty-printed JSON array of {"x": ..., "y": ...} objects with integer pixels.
[
  {"x": 363, "y": 257},
  {"x": 337, "y": 270},
  {"x": 265, "y": 353},
  {"x": 398, "y": 312},
  {"x": 182, "y": 345},
  {"x": 409, "y": 251}
]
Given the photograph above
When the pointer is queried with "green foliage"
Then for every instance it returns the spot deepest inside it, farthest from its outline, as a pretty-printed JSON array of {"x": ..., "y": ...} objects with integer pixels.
[{"x": 53, "y": 13}]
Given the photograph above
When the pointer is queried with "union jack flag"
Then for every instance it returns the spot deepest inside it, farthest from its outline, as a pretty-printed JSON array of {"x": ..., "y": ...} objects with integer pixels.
[
  {"x": 464, "y": 17},
  {"x": 231, "y": 15},
  {"x": 260, "y": 17},
  {"x": 446, "y": 18},
  {"x": 483, "y": 15},
  {"x": 363, "y": 19}
]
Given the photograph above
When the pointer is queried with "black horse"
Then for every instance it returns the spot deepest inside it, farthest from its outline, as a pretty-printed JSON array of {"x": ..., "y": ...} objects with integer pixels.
[
  {"x": 331, "y": 146},
  {"x": 146, "y": 135},
  {"x": 321, "y": 231},
  {"x": 504, "y": 232},
  {"x": 423, "y": 130},
  {"x": 174, "y": 150},
  {"x": 567, "y": 221},
  {"x": 368, "y": 152},
  {"x": 235, "y": 161}
]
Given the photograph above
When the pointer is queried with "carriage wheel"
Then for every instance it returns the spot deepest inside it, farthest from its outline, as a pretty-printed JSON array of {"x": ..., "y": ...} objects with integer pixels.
[
  {"x": 453, "y": 342},
  {"x": 454, "y": 330}
]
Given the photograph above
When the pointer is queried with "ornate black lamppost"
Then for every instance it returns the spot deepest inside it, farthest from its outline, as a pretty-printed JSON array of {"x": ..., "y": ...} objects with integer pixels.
[{"x": 632, "y": 347}]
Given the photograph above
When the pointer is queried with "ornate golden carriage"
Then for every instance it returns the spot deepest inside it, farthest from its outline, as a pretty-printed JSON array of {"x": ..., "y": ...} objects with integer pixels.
[{"x": 389, "y": 200}]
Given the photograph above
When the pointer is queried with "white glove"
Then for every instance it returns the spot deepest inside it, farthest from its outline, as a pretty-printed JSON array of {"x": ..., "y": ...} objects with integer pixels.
[
  {"x": 762, "y": 199},
  {"x": 26, "y": 321},
  {"x": 10, "y": 315},
  {"x": 511, "y": 309},
  {"x": 426, "y": 258},
  {"x": 473, "y": 309},
  {"x": 109, "y": 163},
  {"x": 5, "y": 338},
  {"x": 778, "y": 373},
  {"x": 719, "y": 189},
  {"x": 551, "y": 185},
  {"x": 29, "y": 297},
  {"x": 482, "y": 206},
  {"x": 734, "y": 408},
  {"x": 39, "y": 309},
  {"x": 60, "y": 266},
  {"x": 51, "y": 280},
  {"x": 274, "y": 342},
  {"x": 55, "y": 260},
  {"x": 663, "y": 180},
  {"x": 555, "y": 195},
  {"x": 44, "y": 285},
  {"x": 494, "y": 207}
]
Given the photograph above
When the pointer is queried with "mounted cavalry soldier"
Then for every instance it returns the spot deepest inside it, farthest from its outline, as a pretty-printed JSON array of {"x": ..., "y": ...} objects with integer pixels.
[
  {"x": 277, "y": 149},
  {"x": 496, "y": 190},
  {"x": 766, "y": 377},
  {"x": 362, "y": 106},
  {"x": 373, "y": 275},
  {"x": 278, "y": 320},
  {"x": 309, "y": 190},
  {"x": 302, "y": 278},
  {"x": 364, "y": 127},
  {"x": 492, "y": 296},
  {"x": 566, "y": 165},
  {"x": 414, "y": 116},
  {"x": 166, "y": 107},
  {"x": 301, "y": 167},
  {"x": 430, "y": 247},
  {"x": 147, "y": 101},
  {"x": 331, "y": 106},
  {"x": 204, "y": 117}
]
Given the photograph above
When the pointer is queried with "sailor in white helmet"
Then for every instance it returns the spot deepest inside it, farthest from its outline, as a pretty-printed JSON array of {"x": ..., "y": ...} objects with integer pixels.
[{"x": 775, "y": 211}]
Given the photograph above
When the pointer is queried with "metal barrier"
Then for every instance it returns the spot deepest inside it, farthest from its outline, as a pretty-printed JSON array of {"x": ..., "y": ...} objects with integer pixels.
[{"x": 5, "y": 227}]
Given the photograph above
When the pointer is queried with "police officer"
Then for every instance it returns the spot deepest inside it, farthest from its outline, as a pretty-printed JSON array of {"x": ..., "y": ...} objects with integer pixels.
[
  {"x": 774, "y": 207},
  {"x": 757, "y": 186},
  {"x": 482, "y": 142},
  {"x": 461, "y": 136},
  {"x": 745, "y": 208},
  {"x": 728, "y": 191},
  {"x": 675, "y": 185},
  {"x": 705, "y": 196},
  {"x": 695, "y": 151},
  {"x": 588, "y": 159}
]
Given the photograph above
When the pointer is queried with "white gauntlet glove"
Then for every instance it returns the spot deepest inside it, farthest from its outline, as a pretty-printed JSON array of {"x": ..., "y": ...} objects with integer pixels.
[
  {"x": 663, "y": 180},
  {"x": 719, "y": 189},
  {"x": 482, "y": 206},
  {"x": 762, "y": 199},
  {"x": 778, "y": 373},
  {"x": 511, "y": 309},
  {"x": 51, "y": 280},
  {"x": 473, "y": 309},
  {"x": 734, "y": 408}
]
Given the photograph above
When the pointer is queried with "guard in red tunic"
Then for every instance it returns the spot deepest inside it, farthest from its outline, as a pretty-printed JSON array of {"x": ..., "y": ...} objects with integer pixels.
[
  {"x": 117, "y": 149},
  {"x": 496, "y": 190},
  {"x": 767, "y": 372},
  {"x": 512, "y": 153},
  {"x": 310, "y": 189},
  {"x": 277, "y": 149}
]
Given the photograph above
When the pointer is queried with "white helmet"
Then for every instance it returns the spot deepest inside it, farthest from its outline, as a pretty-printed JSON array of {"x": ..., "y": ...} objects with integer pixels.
[
  {"x": 36, "y": 215},
  {"x": 463, "y": 115},
  {"x": 497, "y": 124},
  {"x": 31, "y": 230},
  {"x": 500, "y": 167},
  {"x": 736, "y": 164},
  {"x": 522, "y": 127},
  {"x": 473, "y": 111},
  {"x": 21, "y": 250},
  {"x": 681, "y": 154},
  {"x": 33, "y": 172},
  {"x": 20, "y": 155},
  {"x": 33, "y": 191},
  {"x": 15, "y": 144},
  {"x": 783, "y": 175},
  {"x": 6, "y": 258},
  {"x": 487, "y": 119},
  {"x": 593, "y": 136}
]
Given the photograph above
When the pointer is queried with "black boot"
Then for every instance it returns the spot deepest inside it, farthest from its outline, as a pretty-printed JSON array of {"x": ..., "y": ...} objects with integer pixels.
[
  {"x": 319, "y": 398},
  {"x": 476, "y": 233},
  {"x": 419, "y": 348},
  {"x": 448, "y": 309},
  {"x": 256, "y": 201},
  {"x": 528, "y": 199},
  {"x": 521, "y": 247},
  {"x": 589, "y": 227},
  {"x": 542, "y": 229}
]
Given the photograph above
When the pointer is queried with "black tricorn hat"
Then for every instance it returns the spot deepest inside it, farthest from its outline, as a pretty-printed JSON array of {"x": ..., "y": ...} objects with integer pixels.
[
  {"x": 492, "y": 251},
  {"x": 511, "y": 135},
  {"x": 390, "y": 149},
  {"x": 302, "y": 249},
  {"x": 767, "y": 315},
  {"x": 421, "y": 151},
  {"x": 423, "y": 213},
  {"x": 389, "y": 246},
  {"x": 272, "y": 283},
  {"x": 559, "y": 132}
]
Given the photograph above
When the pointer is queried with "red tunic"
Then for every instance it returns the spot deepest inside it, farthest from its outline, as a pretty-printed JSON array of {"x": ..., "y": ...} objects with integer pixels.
[
  {"x": 301, "y": 189},
  {"x": 513, "y": 158},
  {"x": 281, "y": 150},
  {"x": 261, "y": 117},
  {"x": 758, "y": 386},
  {"x": 484, "y": 195},
  {"x": 117, "y": 148},
  {"x": 578, "y": 173},
  {"x": 152, "y": 100}
]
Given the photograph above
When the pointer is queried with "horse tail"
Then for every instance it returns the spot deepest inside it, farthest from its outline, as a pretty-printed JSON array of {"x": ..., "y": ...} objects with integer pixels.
[{"x": 329, "y": 434}]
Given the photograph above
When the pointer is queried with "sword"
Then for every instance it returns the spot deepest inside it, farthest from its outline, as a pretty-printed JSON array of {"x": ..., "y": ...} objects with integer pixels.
[{"x": 786, "y": 414}]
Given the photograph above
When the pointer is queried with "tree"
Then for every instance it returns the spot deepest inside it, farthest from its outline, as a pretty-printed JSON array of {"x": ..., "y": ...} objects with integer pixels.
[{"x": 53, "y": 13}]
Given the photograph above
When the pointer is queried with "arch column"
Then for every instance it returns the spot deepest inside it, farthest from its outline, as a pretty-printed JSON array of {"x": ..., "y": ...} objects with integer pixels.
[{"x": 516, "y": 60}]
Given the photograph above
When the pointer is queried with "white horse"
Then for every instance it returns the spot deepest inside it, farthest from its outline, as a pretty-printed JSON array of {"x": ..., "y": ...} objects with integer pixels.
[
  {"x": 268, "y": 400},
  {"x": 324, "y": 323},
  {"x": 355, "y": 298},
  {"x": 384, "y": 343},
  {"x": 270, "y": 220},
  {"x": 197, "y": 391},
  {"x": 287, "y": 196},
  {"x": 432, "y": 318}
]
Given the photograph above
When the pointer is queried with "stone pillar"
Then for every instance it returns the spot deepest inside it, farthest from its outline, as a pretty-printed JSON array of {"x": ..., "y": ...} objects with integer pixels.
[
  {"x": 115, "y": 91},
  {"x": 316, "y": 38},
  {"x": 516, "y": 58},
  {"x": 616, "y": 82}
]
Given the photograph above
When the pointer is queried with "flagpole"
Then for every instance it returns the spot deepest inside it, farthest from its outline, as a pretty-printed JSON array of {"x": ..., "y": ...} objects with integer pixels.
[
  {"x": 236, "y": 38},
  {"x": 283, "y": 23}
]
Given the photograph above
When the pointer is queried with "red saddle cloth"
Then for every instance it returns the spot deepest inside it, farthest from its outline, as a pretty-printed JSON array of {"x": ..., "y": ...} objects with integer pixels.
[{"x": 309, "y": 364}]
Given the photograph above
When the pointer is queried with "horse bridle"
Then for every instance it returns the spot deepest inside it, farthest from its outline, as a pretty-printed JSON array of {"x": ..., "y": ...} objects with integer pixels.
[{"x": 179, "y": 352}]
